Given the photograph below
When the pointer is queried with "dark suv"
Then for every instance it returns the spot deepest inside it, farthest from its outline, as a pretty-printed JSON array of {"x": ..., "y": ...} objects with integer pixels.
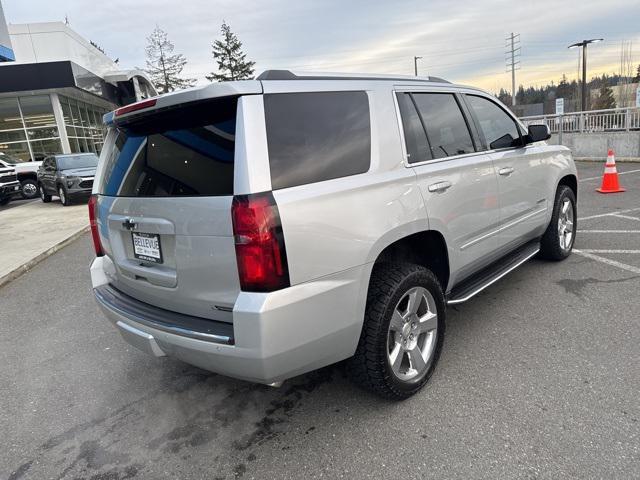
[{"x": 67, "y": 176}]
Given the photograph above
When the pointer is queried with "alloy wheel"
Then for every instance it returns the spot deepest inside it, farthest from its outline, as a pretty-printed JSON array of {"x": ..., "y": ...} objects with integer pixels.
[
  {"x": 565, "y": 225},
  {"x": 412, "y": 334}
]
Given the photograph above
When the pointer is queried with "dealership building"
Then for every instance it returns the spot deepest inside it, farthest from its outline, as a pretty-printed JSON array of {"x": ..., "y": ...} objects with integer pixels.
[{"x": 55, "y": 86}]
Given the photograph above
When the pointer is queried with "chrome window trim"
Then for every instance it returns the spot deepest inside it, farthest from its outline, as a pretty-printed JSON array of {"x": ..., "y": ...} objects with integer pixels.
[
  {"x": 405, "y": 154},
  {"x": 519, "y": 124}
]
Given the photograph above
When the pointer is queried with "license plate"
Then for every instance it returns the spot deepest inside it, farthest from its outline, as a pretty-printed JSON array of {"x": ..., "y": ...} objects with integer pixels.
[{"x": 146, "y": 246}]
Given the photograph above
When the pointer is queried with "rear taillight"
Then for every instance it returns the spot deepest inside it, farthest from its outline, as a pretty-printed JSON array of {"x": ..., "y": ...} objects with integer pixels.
[
  {"x": 93, "y": 221},
  {"x": 260, "y": 250}
]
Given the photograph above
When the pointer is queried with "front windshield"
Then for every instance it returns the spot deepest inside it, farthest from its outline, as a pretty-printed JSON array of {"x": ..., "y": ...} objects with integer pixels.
[
  {"x": 77, "y": 161},
  {"x": 12, "y": 160}
]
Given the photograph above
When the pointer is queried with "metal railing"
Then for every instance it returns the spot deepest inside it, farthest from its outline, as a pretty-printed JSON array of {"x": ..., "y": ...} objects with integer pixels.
[{"x": 613, "y": 119}]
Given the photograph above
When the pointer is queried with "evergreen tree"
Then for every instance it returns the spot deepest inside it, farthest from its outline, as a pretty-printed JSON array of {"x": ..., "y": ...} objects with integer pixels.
[
  {"x": 231, "y": 60},
  {"x": 564, "y": 89},
  {"x": 163, "y": 66},
  {"x": 605, "y": 98},
  {"x": 504, "y": 96},
  {"x": 637, "y": 78}
]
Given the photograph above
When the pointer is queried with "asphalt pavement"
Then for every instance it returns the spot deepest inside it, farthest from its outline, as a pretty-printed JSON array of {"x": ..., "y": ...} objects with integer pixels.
[{"x": 539, "y": 378}]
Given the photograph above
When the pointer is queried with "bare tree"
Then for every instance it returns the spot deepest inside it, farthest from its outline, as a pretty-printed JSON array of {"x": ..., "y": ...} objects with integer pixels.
[
  {"x": 163, "y": 66},
  {"x": 627, "y": 73}
]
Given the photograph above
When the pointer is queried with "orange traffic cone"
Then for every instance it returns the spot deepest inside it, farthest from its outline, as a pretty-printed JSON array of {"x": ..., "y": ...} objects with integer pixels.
[{"x": 610, "y": 182}]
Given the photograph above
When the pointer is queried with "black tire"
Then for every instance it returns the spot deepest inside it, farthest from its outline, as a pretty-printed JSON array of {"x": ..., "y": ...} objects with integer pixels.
[
  {"x": 550, "y": 244},
  {"x": 64, "y": 196},
  {"x": 370, "y": 367},
  {"x": 29, "y": 189},
  {"x": 44, "y": 196},
  {"x": 4, "y": 201}
]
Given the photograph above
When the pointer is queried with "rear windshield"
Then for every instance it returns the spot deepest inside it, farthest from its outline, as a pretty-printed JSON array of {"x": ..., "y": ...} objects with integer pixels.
[
  {"x": 77, "y": 161},
  {"x": 186, "y": 151}
]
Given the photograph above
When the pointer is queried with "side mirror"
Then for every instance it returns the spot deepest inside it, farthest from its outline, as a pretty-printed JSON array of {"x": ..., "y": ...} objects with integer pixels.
[{"x": 538, "y": 133}]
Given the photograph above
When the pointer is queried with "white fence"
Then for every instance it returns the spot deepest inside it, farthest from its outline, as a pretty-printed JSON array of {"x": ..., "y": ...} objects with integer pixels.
[{"x": 614, "y": 119}]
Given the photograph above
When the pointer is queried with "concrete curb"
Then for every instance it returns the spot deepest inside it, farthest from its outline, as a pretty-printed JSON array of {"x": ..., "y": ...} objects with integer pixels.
[
  {"x": 603, "y": 159},
  {"x": 37, "y": 259}
]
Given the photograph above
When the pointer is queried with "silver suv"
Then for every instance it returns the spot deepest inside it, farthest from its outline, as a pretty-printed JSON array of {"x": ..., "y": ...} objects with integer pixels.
[{"x": 262, "y": 229}]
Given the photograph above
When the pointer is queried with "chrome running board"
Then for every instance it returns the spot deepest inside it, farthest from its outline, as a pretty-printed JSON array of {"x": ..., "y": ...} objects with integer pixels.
[{"x": 490, "y": 275}]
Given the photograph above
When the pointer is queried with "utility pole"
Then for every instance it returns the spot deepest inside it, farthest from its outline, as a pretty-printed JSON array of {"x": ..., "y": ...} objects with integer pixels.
[
  {"x": 513, "y": 53},
  {"x": 584, "y": 44},
  {"x": 415, "y": 65}
]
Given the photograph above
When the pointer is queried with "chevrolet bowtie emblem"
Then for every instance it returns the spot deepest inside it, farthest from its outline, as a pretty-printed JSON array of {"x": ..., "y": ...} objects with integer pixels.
[{"x": 129, "y": 224}]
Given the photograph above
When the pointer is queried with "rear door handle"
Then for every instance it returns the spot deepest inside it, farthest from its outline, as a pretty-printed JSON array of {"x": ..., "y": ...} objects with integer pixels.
[
  {"x": 505, "y": 171},
  {"x": 439, "y": 187}
]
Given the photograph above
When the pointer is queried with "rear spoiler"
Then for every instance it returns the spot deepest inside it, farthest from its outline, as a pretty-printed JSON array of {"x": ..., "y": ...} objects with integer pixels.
[{"x": 214, "y": 90}]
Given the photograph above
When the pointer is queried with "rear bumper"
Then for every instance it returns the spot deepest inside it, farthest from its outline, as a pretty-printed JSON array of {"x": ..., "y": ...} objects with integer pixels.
[
  {"x": 274, "y": 336},
  {"x": 78, "y": 192}
]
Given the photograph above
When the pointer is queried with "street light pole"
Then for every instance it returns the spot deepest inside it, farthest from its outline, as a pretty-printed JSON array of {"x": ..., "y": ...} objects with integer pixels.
[
  {"x": 584, "y": 78},
  {"x": 415, "y": 65},
  {"x": 584, "y": 44}
]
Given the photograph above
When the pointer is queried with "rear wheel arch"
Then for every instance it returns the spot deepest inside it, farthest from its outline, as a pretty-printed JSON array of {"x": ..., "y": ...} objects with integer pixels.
[
  {"x": 570, "y": 181},
  {"x": 426, "y": 248},
  {"x": 27, "y": 176}
]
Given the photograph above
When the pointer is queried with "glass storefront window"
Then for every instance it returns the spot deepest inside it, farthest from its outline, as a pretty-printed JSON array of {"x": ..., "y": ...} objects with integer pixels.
[
  {"x": 47, "y": 132},
  {"x": 83, "y": 122},
  {"x": 44, "y": 148},
  {"x": 20, "y": 150},
  {"x": 12, "y": 136},
  {"x": 84, "y": 116},
  {"x": 37, "y": 111},
  {"x": 75, "y": 114},
  {"x": 29, "y": 121},
  {"x": 10, "y": 114},
  {"x": 68, "y": 119}
]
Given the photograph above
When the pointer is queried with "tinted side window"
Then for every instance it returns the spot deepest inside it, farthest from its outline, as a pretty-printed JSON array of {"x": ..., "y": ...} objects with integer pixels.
[
  {"x": 447, "y": 130},
  {"x": 317, "y": 136},
  {"x": 414, "y": 135},
  {"x": 498, "y": 128}
]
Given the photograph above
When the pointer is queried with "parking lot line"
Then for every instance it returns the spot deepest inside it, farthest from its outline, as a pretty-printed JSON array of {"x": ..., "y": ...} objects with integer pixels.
[
  {"x": 608, "y": 261},
  {"x": 591, "y": 250},
  {"x": 600, "y": 215},
  {"x": 600, "y": 177},
  {"x": 608, "y": 231},
  {"x": 627, "y": 217}
]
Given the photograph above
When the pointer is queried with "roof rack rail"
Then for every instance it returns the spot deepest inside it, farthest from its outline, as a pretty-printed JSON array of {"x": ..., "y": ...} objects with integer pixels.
[{"x": 289, "y": 75}]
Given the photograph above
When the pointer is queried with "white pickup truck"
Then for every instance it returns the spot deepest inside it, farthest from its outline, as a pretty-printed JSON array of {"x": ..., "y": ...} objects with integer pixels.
[{"x": 26, "y": 171}]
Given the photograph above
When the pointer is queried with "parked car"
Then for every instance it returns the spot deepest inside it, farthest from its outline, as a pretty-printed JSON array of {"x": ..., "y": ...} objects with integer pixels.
[
  {"x": 68, "y": 176},
  {"x": 9, "y": 184},
  {"x": 27, "y": 172},
  {"x": 263, "y": 229}
]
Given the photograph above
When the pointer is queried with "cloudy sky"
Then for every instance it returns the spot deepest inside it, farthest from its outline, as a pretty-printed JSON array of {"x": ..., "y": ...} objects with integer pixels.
[{"x": 463, "y": 40}]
